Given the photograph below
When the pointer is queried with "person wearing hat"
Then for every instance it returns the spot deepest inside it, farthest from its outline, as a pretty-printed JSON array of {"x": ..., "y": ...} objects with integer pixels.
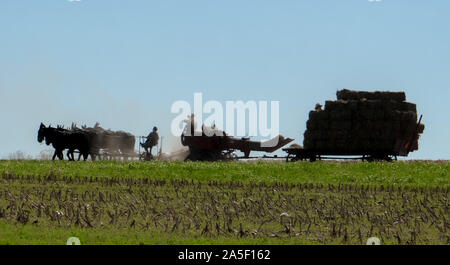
[
  {"x": 318, "y": 107},
  {"x": 152, "y": 140}
]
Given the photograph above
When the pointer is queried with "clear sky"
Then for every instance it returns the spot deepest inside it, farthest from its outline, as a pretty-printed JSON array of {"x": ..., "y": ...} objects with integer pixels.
[{"x": 123, "y": 63}]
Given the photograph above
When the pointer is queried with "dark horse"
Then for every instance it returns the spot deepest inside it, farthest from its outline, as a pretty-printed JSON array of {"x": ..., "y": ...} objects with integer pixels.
[
  {"x": 50, "y": 136},
  {"x": 82, "y": 141},
  {"x": 62, "y": 139}
]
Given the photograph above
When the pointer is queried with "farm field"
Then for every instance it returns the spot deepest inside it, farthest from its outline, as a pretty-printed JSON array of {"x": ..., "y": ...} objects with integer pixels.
[{"x": 43, "y": 202}]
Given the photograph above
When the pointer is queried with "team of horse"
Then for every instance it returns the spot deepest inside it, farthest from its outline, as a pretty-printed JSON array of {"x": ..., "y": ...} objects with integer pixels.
[{"x": 88, "y": 141}]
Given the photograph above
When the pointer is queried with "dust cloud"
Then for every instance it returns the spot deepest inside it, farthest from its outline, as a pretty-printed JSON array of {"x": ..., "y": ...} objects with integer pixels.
[{"x": 175, "y": 150}]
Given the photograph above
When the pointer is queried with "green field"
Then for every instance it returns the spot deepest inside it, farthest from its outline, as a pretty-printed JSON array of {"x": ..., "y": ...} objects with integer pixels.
[{"x": 43, "y": 202}]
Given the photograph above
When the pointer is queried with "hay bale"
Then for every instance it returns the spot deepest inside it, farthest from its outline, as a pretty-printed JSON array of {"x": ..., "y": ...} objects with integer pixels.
[
  {"x": 321, "y": 145},
  {"x": 391, "y": 115},
  {"x": 308, "y": 143},
  {"x": 365, "y": 144},
  {"x": 324, "y": 124},
  {"x": 341, "y": 125},
  {"x": 317, "y": 124},
  {"x": 319, "y": 134},
  {"x": 407, "y": 106},
  {"x": 308, "y": 135},
  {"x": 315, "y": 135},
  {"x": 369, "y": 114},
  {"x": 336, "y": 105},
  {"x": 341, "y": 115},
  {"x": 311, "y": 125},
  {"x": 409, "y": 116},
  {"x": 410, "y": 128},
  {"x": 346, "y": 94},
  {"x": 340, "y": 134}
]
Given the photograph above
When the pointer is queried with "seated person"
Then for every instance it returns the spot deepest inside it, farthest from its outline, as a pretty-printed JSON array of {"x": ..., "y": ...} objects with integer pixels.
[{"x": 152, "y": 140}]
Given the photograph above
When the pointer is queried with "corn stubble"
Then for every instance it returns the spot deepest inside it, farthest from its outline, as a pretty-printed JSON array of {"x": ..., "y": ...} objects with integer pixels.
[{"x": 323, "y": 214}]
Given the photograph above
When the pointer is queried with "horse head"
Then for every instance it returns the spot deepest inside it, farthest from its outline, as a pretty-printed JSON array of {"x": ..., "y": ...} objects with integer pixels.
[
  {"x": 41, "y": 133},
  {"x": 49, "y": 134}
]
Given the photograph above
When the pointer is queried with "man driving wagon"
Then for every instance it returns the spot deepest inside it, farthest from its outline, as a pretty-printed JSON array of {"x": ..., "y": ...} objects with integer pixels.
[{"x": 152, "y": 140}]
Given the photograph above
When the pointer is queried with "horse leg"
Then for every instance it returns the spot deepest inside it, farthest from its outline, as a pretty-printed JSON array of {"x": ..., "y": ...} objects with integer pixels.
[
  {"x": 54, "y": 155},
  {"x": 68, "y": 155},
  {"x": 82, "y": 153}
]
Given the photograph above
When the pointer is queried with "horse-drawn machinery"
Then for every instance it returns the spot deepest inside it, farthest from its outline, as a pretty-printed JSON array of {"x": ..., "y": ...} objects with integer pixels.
[
  {"x": 223, "y": 147},
  {"x": 369, "y": 125}
]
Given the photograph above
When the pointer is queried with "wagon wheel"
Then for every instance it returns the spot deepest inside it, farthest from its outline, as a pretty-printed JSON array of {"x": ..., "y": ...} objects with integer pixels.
[
  {"x": 292, "y": 157},
  {"x": 229, "y": 155},
  {"x": 197, "y": 155},
  {"x": 145, "y": 156},
  {"x": 379, "y": 157},
  {"x": 289, "y": 157},
  {"x": 388, "y": 158},
  {"x": 298, "y": 158}
]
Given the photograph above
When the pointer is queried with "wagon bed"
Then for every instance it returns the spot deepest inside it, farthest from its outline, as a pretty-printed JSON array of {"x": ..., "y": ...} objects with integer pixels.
[{"x": 300, "y": 154}]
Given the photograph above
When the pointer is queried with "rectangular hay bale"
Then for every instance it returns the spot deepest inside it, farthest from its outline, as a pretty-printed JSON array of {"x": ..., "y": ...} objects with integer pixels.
[{"x": 346, "y": 94}]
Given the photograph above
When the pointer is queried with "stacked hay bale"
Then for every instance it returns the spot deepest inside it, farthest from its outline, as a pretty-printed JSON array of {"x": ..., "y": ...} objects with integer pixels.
[{"x": 363, "y": 122}]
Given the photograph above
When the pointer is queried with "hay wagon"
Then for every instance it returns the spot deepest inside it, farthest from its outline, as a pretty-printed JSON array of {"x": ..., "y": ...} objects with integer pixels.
[{"x": 362, "y": 125}]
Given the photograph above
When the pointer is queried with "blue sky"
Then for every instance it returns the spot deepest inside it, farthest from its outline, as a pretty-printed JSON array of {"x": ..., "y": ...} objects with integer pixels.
[{"x": 123, "y": 63}]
